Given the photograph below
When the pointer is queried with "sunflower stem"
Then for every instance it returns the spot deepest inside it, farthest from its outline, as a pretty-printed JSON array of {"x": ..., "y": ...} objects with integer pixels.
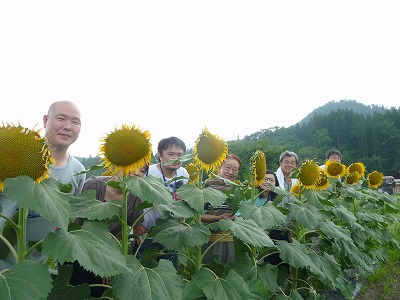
[
  {"x": 8, "y": 244},
  {"x": 199, "y": 257},
  {"x": 21, "y": 233},
  {"x": 124, "y": 230},
  {"x": 253, "y": 191},
  {"x": 10, "y": 221},
  {"x": 296, "y": 234}
]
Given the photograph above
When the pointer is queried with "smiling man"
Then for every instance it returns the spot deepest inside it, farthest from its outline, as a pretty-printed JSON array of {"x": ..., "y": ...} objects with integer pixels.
[
  {"x": 287, "y": 162},
  {"x": 63, "y": 125},
  {"x": 169, "y": 149}
]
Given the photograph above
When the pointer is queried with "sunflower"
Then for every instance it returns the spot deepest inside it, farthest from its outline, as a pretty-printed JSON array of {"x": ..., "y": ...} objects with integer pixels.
[
  {"x": 357, "y": 167},
  {"x": 309, "y": 174},
  {"x": 193, "y": 172},
  {"x": 353, "y": 178},
  {"x": 210, "y": 151},
  {"x": 125, "y": 150},
  {"x": 23, "y": 152},
  {"x": 259, "y": 167},
  {"x": 335, "y": 169},
  {"x": 375, "y": 179},
  {"x": 322, "y": 182},
  {"x": 295, "y": 190}
]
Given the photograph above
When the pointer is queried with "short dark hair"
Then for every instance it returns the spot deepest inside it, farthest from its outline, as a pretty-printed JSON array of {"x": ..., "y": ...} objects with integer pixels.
[
  {"x": 333, "y": 152},
  {"x": 165, "y": 143}
]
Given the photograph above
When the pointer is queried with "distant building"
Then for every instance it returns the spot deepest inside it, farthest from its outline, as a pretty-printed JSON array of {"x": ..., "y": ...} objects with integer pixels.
[{"x": 396, "y": 186}]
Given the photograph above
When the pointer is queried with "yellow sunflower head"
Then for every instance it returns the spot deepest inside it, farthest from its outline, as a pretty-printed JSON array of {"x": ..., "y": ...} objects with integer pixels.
[
  {"x": 353, "y": 178},
  {"x": 125, "y": 150},
  {"x": 375, "y": 179},
  {"x": 357, "y": 167},
  {"x": 335, "y": 169},
  {"x": 259, "y": 167},
  {"x": 322, "y": 182},
  {"x": 23, "y": 152},
  {"x": 295, "y": 190},
  {"x": 193, "y": 172},
  {"x": 308, "y": 174},
  {"x": 210, "y": 151}
]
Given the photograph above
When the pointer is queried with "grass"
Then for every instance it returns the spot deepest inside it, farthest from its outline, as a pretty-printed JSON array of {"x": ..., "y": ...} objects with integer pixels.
[{"x": 384, "y": 284}]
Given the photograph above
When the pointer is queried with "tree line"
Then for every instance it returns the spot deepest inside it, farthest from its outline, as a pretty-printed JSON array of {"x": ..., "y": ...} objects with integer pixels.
[{"x": 373, "y": 139}]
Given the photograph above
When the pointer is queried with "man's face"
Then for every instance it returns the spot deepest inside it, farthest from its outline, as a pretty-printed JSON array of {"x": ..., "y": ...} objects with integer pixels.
[
  {"x": 173, "y": 152},
  {"x": 63, "y": 125},
  {"x": 335, "y": 157},
  {"x": 230, "y": 169},
  {"x": 287, "y": 165}
]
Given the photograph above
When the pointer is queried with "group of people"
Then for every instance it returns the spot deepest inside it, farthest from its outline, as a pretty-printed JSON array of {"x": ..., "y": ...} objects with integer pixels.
[{"x": 62, "y": 125}]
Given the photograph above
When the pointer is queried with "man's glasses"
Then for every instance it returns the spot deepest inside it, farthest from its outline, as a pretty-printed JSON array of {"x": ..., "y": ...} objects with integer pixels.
[{"x": 230, "y": 169}]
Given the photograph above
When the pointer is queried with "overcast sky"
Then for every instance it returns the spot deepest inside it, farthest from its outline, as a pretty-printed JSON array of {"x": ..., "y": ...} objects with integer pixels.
[{"x": 173, "y": 67}]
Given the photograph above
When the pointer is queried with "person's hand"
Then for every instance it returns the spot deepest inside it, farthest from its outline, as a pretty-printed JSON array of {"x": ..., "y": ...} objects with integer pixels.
[
  {"x": 229, "y": 216},
  {"x": 138, "y": 230}
]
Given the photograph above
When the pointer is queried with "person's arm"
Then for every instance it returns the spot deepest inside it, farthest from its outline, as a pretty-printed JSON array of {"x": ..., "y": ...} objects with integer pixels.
[{"x": 215, "y": 218}]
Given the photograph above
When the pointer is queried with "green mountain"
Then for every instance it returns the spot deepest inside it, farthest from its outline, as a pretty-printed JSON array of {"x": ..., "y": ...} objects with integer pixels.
[{"x": 357, "y": 107}]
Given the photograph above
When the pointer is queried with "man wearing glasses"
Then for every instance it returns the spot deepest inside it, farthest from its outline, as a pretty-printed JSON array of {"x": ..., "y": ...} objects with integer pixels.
[{"x": 224, "y": 249}]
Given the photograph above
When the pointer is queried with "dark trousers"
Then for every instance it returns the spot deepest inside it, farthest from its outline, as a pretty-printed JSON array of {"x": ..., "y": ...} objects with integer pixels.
[
  {"x": 149, "y": 244},
  {"x": 281, "y": 235}
]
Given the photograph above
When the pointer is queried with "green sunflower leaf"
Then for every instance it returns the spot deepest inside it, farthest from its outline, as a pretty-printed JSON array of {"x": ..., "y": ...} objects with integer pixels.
[
  {"x": 92, "y": 246},
  {"x": 159, "y": 283},
  {"x": 267, "y": 274},
  {"x": 25, "y": 280},
  {"x": 192, "y": 292},
  {"x": 372, "y": 217},
  {"x": 44, "y": 198},
  {"x": 307, "y": 215},
  {"x": 294, "y": 295},
  {"x": 178, "y": 209},
  {"x": 196, "y": 197},
  {"x": 344, "y": 214},
  {"x": 358, "y": 258},
  {"x": 334, "y": 231},
  {"x": 298, "y": 256},
  {"x": 259, "y": 290},
  {"x": 328, "y": 265},
  {"x": 231, "y": 287},
  {"x": 175, "y": 235},
  {"x": 247, "y": 231},
  {"x": 64, "y": 290},
  {"x": 87, "y": 206},
  {"x": 148, "y": 188},
  {"x": 267, "y": 216}
]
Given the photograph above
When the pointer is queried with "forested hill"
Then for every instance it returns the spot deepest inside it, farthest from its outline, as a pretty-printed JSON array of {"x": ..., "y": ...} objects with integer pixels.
[
  {"x": 345, "y": 104},
  {"x": 370, "y": 134}
]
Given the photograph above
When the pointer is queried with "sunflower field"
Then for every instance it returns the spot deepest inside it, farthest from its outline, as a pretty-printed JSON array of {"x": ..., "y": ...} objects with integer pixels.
[{"x": 337, "y": 220}]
